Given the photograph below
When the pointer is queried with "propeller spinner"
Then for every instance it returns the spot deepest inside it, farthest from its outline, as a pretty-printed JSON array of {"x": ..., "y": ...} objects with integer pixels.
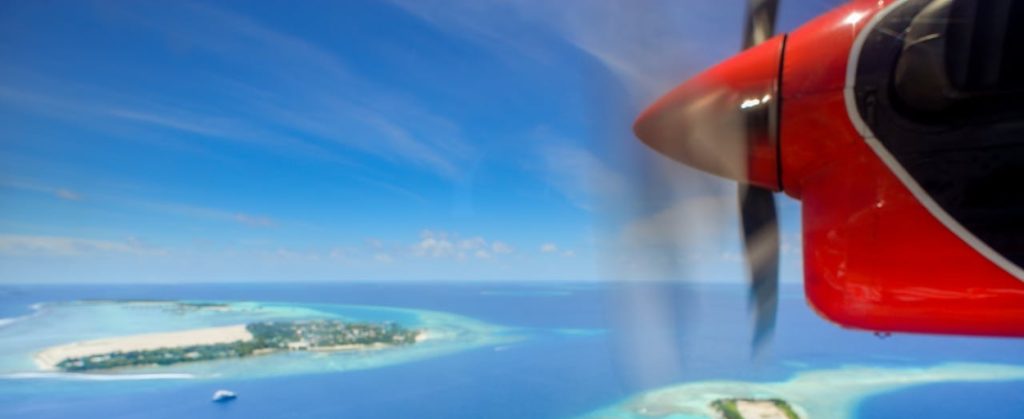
[{"x": 725, "y": 122}]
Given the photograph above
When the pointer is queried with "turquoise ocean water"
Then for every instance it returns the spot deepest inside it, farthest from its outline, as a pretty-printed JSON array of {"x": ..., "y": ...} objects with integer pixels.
[{"x": 516, "y": 350}]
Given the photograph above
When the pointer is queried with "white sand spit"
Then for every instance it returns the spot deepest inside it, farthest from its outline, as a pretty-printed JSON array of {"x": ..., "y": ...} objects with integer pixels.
[{"x": 48, "y": 358}]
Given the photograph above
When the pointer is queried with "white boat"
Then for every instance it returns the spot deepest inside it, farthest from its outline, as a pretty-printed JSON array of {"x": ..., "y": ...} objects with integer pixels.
[{"x": 224, "y": 395}]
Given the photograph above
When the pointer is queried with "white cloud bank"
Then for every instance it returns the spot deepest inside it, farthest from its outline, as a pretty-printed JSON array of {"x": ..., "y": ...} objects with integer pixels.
[{"x": 435, "y": 244}]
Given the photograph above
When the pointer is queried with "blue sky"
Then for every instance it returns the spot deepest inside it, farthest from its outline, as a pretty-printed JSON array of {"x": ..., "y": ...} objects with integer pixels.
[{"x": 358, "y": 140}]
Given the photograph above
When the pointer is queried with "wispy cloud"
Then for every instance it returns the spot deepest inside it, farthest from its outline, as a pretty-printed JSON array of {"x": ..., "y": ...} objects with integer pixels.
[
  {"x": 70, "y": 246},
  {"x": 665, "y": 220},
  {"x": 649, "y": 46},
  {"x": 583, "y": 178},
  {"x": 254, "y": 220},
  {"x": 138, "y": 119},
  {"x": 198, "y": 212},
  {"x": 67, "y": 194},
  {"x": 170, "y": 208},
  {"x": 64, "y": 193},
  {"x": 308, "y": 87},
  {"x": 298, "y": 97}
]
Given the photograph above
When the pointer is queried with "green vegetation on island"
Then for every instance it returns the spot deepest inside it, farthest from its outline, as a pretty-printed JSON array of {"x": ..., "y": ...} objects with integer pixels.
[
  {"x": 267, "y": 337},
  {"x": 179, "y": 307},
  {"x": 729, "y": 410}
]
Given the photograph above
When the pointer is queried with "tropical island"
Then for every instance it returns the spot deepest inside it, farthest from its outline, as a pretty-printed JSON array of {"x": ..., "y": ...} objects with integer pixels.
[
  {"x": 260, "y": 338},
  {"x": 754, "y": 408},
  {"x": 829, "y": 393}
]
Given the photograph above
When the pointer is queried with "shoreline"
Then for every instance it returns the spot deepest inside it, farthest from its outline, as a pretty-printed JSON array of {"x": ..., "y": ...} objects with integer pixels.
[
  {"x": 833, "y": 392},
  {"x": 441, "y": 333},
  {"x": 48, "y": 359}
]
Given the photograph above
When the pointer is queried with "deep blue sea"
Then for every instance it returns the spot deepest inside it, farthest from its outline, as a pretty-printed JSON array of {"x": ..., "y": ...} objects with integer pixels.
[{"x": 585, "y": 346}]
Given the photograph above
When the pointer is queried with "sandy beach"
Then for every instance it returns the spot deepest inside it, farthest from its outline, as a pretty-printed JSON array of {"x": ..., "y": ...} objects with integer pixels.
[
  {"x": 759, "y": 409},
  {"x": 830, "y": 393},
  {"x": 48, "y": 358}
]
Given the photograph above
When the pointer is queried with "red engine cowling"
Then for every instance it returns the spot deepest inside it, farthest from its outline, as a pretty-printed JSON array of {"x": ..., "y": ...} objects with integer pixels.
[{"x": 877, "y": 134}]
